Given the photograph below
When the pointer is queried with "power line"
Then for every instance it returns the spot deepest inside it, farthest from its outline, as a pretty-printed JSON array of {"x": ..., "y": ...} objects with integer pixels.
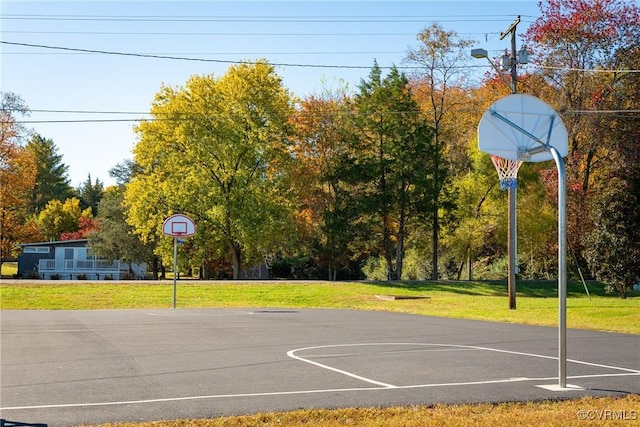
[
  {"x": 265, "y": 19},
  {"x": 359, "y": 52},
  {"x": 483, "y": 34},
  {"x": 166, "y": 33},
  {"x": 590, "y": 70},
  {"x": 182, "y": 58},
  {"x": 283, "y": 64},
  {"x": 190, "y": 117}
]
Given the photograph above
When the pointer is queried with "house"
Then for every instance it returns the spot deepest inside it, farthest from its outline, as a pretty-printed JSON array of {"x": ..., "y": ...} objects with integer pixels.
[{"x": 72, "y": 260}]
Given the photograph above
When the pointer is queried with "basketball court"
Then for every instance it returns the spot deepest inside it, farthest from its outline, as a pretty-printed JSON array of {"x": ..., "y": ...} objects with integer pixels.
[{"x": 90, "y": 367}]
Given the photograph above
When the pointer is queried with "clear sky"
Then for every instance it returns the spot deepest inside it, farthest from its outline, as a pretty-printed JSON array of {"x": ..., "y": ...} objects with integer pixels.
[{"x": 87, "y": 102}]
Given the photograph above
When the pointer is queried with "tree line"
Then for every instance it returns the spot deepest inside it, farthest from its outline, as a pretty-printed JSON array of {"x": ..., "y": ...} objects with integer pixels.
[{"x": 384, "y": 182}]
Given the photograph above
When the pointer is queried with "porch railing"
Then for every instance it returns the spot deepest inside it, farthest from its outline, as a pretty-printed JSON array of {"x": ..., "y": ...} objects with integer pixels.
[{"x": 88, "y": 266}]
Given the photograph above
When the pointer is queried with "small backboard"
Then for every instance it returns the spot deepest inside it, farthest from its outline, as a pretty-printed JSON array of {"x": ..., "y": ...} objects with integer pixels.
[
  {"x": 522, "y": 127},
  {"x": 178, "y": 225}
]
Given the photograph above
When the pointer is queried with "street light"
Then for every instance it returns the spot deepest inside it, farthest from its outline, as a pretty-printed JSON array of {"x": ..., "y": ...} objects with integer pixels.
[
  {"x": 479, "y": 53},
  {"x": 482, "y": 53}
]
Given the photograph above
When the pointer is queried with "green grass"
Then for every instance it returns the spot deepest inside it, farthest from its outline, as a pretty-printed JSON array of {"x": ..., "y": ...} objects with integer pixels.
[
  {"x": 9, "y": 269},
  {"x": 537, "y": 302}
]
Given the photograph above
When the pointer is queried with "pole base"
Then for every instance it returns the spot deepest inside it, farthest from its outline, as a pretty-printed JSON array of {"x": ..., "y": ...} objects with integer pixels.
[{"x": 557, "y": 387}]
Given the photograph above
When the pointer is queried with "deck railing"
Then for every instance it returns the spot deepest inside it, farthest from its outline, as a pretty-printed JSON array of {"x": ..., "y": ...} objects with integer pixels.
[{"x": 84, "y": 266}]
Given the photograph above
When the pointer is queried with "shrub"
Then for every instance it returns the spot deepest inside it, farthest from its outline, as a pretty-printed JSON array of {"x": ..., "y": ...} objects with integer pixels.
[{"x": 374, "y": 268}]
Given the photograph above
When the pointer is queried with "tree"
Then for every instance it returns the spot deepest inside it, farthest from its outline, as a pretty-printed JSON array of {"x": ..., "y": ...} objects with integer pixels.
[
  {"x": 124, "y": 172},
  {"x": 58, "y": 218},
  {"x": 580, "y": 45},
  {"x": 114, "y": 238},
  {"x": 613, "y": 247},
  {"x": 389, "y": 168},
  {"x": 217, "y": 156},
  {"x": 52, "y": 180},
  {"x": 441, "y": 53},
  {"x": 17, "y": 177},
  {"x": 477, "y": 219},
  {"x": 90, "y": 194},
  {"x": 317, "y": 145},
  {"x": 86, "y": 225}
]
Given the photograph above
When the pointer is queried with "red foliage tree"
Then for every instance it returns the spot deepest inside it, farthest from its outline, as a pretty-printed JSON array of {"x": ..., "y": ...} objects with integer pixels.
[{"x": 85, "y": 226}]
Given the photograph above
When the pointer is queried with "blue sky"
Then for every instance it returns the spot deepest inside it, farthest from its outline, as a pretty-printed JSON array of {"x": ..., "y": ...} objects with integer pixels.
[{"x": 100, "y": 86}]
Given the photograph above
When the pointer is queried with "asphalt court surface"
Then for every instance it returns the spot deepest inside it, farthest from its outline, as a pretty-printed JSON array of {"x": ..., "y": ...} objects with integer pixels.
[{"x": 89, "y": 367}]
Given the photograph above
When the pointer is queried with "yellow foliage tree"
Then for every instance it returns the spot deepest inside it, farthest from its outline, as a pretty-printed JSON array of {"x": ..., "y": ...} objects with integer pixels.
[{"x": 215, "y": 151}]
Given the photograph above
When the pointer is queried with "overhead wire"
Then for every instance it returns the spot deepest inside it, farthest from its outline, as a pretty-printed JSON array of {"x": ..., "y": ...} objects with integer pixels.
[
  {"x": 181, "y": 117},
  {"x": 265, "y": 19},
  {"x": 181, "y": 57},
  {"x": 278, "y": 64},
  {"x": 184, "y": 58}
]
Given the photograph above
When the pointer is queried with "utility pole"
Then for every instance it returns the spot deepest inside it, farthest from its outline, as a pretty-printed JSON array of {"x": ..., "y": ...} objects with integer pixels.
[{"x": 512, "y": 244}]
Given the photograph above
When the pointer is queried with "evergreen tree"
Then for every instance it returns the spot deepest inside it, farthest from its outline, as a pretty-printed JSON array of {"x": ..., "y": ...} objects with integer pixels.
[
  {"x": 389, "y": 169},
  {"x": 90, "y": 194},
  {"x": 52, "y": 180}
]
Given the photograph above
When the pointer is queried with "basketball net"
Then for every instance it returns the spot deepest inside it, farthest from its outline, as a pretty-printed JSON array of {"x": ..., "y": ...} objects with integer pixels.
[{"x": 507, "y": 171}]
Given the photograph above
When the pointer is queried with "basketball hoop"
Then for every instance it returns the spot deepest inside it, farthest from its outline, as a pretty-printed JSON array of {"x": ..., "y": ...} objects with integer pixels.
[{"x": 507, "y": 171}]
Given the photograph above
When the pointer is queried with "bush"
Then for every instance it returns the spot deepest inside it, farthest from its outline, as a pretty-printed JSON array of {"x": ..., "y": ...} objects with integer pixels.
[
  {"x": 416, "y": 266},
  {"x": 491, "y": 269},
  {"x": 374, "y": 268}
]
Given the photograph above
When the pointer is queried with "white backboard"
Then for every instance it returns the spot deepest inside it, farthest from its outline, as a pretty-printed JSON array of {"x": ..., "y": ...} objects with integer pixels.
[
  {"x": 178, "y": 225},
  {"x": 522, "y": 127}
]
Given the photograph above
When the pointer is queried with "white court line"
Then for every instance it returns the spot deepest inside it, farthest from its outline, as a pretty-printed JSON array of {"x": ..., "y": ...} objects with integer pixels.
[
  {"x": 291, "y": 353},
  {"x": 381, "y": 387},
  {"x": 299, "y": 392}
]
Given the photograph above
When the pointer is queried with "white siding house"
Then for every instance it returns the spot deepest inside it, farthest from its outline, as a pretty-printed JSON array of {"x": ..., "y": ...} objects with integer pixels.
[{"x": 71, "y": 259}]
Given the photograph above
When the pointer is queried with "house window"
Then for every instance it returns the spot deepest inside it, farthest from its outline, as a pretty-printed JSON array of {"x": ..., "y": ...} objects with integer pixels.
[
  {"x": 68, "y": 253},
  {"x": 36, "y": 249}
]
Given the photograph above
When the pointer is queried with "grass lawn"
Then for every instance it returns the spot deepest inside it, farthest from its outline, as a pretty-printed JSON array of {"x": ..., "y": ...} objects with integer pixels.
[
  {"x": 9, "y": 269},
  {"x": 537, "y": 304}
]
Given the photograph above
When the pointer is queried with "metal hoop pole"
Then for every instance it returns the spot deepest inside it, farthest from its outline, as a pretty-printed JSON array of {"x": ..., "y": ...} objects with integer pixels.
[
  {"x": 175, "y": 269},
  {"x": 511, "y": 247},
  {"x": 562, "y": 269}
]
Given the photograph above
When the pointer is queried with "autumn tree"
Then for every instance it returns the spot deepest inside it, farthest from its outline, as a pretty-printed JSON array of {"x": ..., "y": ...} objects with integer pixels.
[
  {"x": 113, "y": 238},
  {"x": 52, "y": 179},
  {"x": 58, "y": 218},
  {"x": 612, "y": 246},
  {"x": 389, "y": 168},
  {"x": 441, "y": 55},
  {"x": 582, "y": 48},
  {"x": 317, "y": 144},
  {"x": 477, "y": 213},
  {"x": 215, "y": 153},
  {"x": 17, "y": 177}
]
